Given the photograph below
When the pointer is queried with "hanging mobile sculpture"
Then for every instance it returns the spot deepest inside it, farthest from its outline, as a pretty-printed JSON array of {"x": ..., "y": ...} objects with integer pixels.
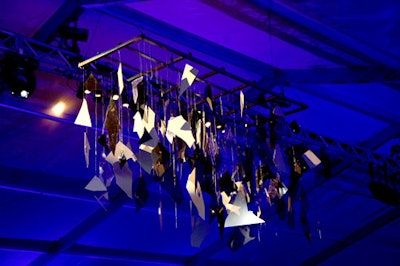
[{"x": 185, "y": 134}]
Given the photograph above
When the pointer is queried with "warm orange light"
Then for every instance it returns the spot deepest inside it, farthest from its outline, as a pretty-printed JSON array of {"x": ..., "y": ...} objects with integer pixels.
[{"x": 58, "y": 108}]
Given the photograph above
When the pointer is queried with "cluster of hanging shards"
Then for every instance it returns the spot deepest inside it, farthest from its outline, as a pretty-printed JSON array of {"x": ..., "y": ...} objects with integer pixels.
[{"x": 180, "y": 153}]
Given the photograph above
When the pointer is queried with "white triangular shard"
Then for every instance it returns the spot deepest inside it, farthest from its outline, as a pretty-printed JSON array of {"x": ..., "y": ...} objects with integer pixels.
[
  {"x": 196, "y": 194},
  {"x": 188, "y": 77},
  {"x": 241, "y": 103},
  {"x": 179, "y": 127},
  {"x": 120, "y": 79},
  {"x": 135, "y": 91},
  {"x": 138, "y": 126},
  {"x": 189, "y": 73},
  {"x": 83, "y": 118},
  {"x": 96, "y": 184},
  {"x": 86, "y": 148},
  {"x": 198, "y": 132},
  {"x": 311, "y": 159},
  {"x": 282, "y": 190},
  {"x": 245, "y": 217}
]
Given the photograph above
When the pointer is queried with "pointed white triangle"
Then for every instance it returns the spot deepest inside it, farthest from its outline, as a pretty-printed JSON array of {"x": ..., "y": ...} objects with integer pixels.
[
  {"x": 135, "y": 91},
  {"x": 83, "y": 118},
  {"x": 95, "y": 184},
  {"x": 196, "y": 194},
  {"x": 120, "y": 79},
  {"x": 241, "y": 103},
  {"x": 245, "y": 216},
  {"x": 138, "y": 126},
  {"x": 188, "y": 74}
]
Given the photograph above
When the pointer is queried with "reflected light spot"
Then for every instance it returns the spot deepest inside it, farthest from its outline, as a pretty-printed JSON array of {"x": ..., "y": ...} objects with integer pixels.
[{"x": 58, "y": 109}]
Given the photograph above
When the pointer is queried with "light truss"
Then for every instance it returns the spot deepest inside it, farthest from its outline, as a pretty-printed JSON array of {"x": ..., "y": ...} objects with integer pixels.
[
  {"x": 346, "y": 151},
  {"x": 52, "y": 59}
]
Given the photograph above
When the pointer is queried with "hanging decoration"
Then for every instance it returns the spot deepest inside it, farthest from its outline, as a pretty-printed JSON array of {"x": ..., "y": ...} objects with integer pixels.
[{"x": 183, "y": 135}]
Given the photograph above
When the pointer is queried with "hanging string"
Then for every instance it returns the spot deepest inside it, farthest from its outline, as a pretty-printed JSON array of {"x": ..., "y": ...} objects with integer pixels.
[
  {"x": 152, "y": 75},
  {"x": 234, "y": 140},
  {"x": 96, "y": 164}
]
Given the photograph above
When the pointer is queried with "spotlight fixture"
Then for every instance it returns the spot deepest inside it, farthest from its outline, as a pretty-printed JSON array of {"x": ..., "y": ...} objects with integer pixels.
[
  {"x": 294, "y": 126},
  {"x": 20, "y": 74}
]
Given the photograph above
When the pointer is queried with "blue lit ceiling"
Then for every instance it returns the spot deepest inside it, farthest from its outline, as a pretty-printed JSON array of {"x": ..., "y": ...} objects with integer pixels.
[{"x": 341, "y": 60}]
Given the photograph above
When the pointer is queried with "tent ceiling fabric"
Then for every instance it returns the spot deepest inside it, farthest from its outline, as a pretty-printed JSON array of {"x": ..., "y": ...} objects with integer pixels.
[{"x": 338, "y": 60}]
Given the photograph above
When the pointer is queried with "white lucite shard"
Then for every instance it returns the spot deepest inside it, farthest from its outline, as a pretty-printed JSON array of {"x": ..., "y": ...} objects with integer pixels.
[{"x": 83, "y": 117}]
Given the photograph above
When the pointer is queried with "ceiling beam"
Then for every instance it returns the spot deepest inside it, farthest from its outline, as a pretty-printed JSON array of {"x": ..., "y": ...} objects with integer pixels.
[
  {"x": 336, "y": 75},
  {"x": 34, "y": 245},
  {"x": 389, "y": 133},
  {"x": 100, "y": 3},
  {"x": 330, "y": 36},
  {"x": 358, "y": 106},
  {"x": 354, "y": 237},
  {"x": 131, "y": 255},
  {"x": 88, "y": 252},
  {"x": 80, "y": 230},
  {"x": 203, "y": 257},
  {"x": 272, "y": 24},
  {"x": 64, "y": 13},
  {"x": 340, "y": 75},
  {"x": 185, "y": 38}
]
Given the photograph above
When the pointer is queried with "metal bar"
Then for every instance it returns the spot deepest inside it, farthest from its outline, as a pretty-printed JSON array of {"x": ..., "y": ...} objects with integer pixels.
[
  {"x": 110, "y": 51},
  {"x": 201, "y": 79},
  {"x": 221, "y": 71}
]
